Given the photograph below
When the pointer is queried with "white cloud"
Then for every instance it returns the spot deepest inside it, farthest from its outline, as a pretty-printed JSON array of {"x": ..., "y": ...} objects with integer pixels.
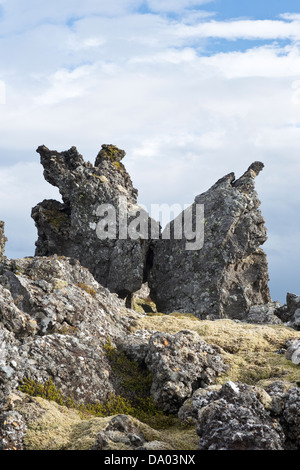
[
  {"x": 65, "y": 85},
  {"x": 266, "y": 61},
  {"x": 185, "y": 119},
  {"x": 243, "y": 29},
  {"x": 174, "y": 5}
]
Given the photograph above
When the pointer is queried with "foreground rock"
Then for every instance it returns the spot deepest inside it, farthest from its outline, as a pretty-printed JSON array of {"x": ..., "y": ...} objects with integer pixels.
[
  {"x": 179, "y": 364},
  {"x": 82, "y": 227},
  {"x": 55, "y": 320},
  {"x": 235, "y": 418},
  {"x": 290, "y": 312},
  {"x": 229, "y": 274}
]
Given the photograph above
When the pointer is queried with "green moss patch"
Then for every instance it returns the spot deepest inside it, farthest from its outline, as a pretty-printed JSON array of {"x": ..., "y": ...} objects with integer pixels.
[{"x": 251, "y": 351}]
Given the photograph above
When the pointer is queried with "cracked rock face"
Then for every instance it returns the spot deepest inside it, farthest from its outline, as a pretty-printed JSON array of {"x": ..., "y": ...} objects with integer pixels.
[
  {"x": 235, "y": 418},
  {"x": 229, "y": 272},
  {"x": 77, "y": 227},
  {"x": 290, "y": 312},
  {"x": 54, "y": 322},
  {"x": 179, "y": 364}
]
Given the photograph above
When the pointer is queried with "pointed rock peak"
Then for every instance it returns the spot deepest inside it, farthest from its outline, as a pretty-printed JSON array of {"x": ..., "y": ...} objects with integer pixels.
[
  {"x": 110, "y": 152},
  {"x": 247, "y": 179},
  {"x": 70, "y": 159}
]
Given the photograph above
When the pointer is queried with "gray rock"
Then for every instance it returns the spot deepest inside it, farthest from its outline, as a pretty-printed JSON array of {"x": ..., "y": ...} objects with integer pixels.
[
  {"x": 55, "y": 320},
  {"x": 260, "y": 314},
  {"x": 180, "y": 364},
  {"x": 293, "y": 351},
  {"x": 121, "y": 431},
  {"x": 229, "y": 274},
  {"x": 286, "y": 405},
  {"x": 72, "y": 228},
  {"x": 13, "y": 428},
  {"x": 235, "y": 419},
  {"x": 290, "y": 312}
]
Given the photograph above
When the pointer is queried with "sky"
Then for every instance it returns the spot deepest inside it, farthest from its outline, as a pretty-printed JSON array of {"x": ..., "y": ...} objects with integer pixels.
[{"x": 191, "y": 90}]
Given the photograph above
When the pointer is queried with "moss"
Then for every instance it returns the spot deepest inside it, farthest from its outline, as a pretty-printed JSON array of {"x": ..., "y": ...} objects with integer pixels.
[
  {"x": 48, "y": 391},
  {"x": 54, "y": 427},
  {"x": 135, "y": 383},
  {"x": 250, "y": 350},
  {"x": 56, "y": 218},
  {"x": 143, "y": 305},
  {"x": 89, "y": 289}
]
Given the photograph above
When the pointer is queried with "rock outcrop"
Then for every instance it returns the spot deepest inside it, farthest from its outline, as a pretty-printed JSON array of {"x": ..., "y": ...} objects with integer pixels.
[
  {"x": 213, "y": 364},
  {"x": 178, "y": 363},
  {"x": 60, "y": 330},
  {"x": 290, "y": 312},
  {"x": 91, "y": 225},
  {"x": 223, "y": 271},
  {"x": 55, "y": 320},
  {"x": 235, "y": 418}
]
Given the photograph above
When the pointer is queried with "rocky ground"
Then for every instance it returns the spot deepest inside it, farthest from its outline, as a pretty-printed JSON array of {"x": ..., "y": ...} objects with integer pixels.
[
  {"x": 67, "y": 344},
  {"x": 82, "y": 368}
]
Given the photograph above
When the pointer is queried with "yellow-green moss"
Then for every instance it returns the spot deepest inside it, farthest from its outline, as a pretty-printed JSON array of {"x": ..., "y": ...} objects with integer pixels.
[
  {"x": 89, "y": 289},
  {"x": 135, "y": 384},
  {"x": 249, "y": 349},
  {"x": 56, "y": 218}
]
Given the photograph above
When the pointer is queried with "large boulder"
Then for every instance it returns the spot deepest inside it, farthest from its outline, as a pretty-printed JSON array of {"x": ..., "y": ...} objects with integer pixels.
[
  {"x": 179, "y": 364},
  {"x": 289, "y": 313},
  {"x": 236, "y": 418},
  {"x": 55, "y": 320},
  {"x": 216, "y": 269},
  {"x": 98, "y": 221}
]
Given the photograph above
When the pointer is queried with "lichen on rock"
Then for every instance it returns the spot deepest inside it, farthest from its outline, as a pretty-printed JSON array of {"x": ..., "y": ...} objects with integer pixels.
[
  {"x": 229, "y": 273},
  {"x": 70, "y": 228}
]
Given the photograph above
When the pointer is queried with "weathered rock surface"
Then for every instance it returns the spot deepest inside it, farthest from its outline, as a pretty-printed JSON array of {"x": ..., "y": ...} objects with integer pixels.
[
  {"x": 2, "y": 240},
  {"x": 290, "y": 312},
  {"x": 224, "y": 278},
  {"x": 229, "y": 274},
  {"x": 77, "y": 227},
  {"x": 286, "y": 408},
  {"x": 54, "y": 322},
  {"x": 264, "y": 314},
  {"x": 179, "y": 364},
  {"x": 234, "y": 418}
]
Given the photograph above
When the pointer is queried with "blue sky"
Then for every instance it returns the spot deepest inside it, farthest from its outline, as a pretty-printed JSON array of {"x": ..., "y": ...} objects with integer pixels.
[{"x": 190, "y": 89}]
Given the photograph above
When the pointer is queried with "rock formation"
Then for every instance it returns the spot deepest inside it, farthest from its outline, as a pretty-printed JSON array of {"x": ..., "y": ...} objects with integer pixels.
[
  {"x": 290, "y": 312},
  {"x": 54, "y": 321},
  {"x": 81, "y": 370},
  {"x": 99, "y": 204},
  {"x": 229, "y": 273},
  {"x": 178, "y": 363},
  {"x": 223, "y": 272},
  {"x": 235, "y": 418}
]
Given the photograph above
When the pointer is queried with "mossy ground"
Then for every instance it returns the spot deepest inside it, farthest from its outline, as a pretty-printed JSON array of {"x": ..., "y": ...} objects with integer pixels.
[
  {"x": 134, "y": 383},
  {"x": 250, "y": 350}
]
